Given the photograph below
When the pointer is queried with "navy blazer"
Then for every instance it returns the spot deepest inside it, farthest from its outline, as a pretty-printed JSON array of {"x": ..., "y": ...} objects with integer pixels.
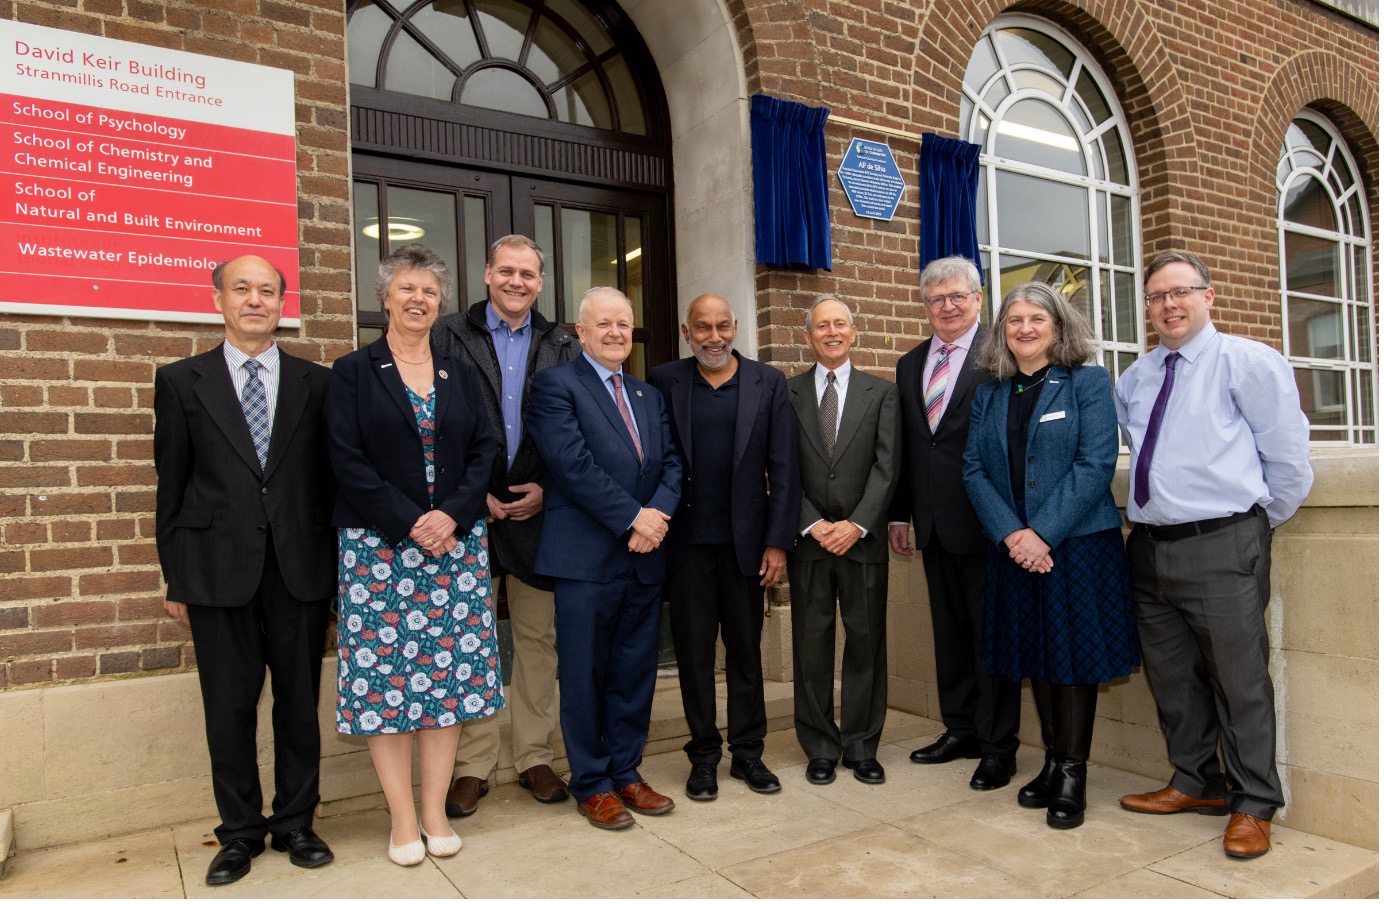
[
  {"x": 377, "y": 454},
  {"x": 596, "y": 483},
  {"x": 1073, "y": 442},
  {"x": 765, "y": 489}
]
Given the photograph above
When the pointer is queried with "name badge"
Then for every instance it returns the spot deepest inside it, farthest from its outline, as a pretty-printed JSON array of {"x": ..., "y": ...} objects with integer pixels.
[{"x": 1052, "y": 416}]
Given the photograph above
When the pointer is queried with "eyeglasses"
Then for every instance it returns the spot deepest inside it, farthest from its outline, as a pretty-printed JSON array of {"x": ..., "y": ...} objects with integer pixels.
[
  {"x": 956, "y": 298},
  {"x": 1179, "y": 293}
]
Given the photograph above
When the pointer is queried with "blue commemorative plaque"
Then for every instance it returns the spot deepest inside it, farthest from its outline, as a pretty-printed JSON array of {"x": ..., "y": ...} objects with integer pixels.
[{"x": 871, "y": 179}]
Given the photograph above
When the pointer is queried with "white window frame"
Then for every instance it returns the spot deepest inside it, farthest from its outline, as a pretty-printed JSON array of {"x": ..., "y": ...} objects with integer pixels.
[
  {"x": 1098, "y": 191},
  {"x": 1352, "y": 299}
]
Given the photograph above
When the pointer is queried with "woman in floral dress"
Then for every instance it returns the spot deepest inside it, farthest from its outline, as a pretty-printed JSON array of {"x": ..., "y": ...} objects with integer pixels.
[{"x": 412, "y": 452}]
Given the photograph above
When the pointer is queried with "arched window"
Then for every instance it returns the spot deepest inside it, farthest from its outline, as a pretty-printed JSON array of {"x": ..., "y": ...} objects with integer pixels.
[
  {"x": 552, "y": 60},
  {"x": 1058, "y": 201},
  {"x": 1324, "y": 278}
]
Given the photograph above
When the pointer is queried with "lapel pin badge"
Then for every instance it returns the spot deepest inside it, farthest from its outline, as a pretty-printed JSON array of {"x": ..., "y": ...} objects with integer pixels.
[
  {"x": 389, "y": 364},
  {"x": 639, "y": 392},
  {"x": 442, "y": 374}
]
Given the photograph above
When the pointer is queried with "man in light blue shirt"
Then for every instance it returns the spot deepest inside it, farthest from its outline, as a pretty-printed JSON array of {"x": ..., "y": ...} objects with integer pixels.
[{"x": 1218, "y": 458}]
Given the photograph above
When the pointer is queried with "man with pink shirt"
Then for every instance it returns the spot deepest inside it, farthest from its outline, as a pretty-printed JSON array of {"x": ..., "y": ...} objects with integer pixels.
[{"x": 937, "y": 381}]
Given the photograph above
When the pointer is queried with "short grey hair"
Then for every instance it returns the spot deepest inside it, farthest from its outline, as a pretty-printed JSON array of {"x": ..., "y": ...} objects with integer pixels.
[
  {"x": 413, "y": 257},
  {"x": 600, "y": 291},
  {"x": 1178, "y": 257},
  {"x": 1074, "y": 341},
  {"x": 217, "y": 273},
  {"x": 945, "y": 269},
  {"x": 850, "y": 315},
  {"x": 515, "y": 241}
]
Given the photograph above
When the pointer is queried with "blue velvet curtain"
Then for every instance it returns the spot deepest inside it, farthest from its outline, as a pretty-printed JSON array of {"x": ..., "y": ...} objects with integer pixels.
[
  {"x": 792, "y": 227},
  {"x": 947, "y": 172}
]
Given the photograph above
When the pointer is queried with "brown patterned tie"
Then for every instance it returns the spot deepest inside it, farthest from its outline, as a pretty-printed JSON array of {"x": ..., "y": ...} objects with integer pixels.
[
  {"x": 826, "y": 415},
  {"x": 625, "y": 415}
]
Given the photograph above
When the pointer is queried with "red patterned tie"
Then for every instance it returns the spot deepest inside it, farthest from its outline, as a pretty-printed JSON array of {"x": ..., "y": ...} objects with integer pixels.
[{"x": 625, "y": 415}]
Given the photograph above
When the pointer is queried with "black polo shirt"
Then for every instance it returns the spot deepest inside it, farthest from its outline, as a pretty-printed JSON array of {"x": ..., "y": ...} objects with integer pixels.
[{"x": 713, "y": 442}]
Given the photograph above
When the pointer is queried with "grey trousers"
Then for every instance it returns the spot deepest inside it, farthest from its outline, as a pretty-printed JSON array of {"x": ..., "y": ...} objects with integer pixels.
[
  {"x": 1199, "y": 603},
  {"x": 861, "y": 587}
]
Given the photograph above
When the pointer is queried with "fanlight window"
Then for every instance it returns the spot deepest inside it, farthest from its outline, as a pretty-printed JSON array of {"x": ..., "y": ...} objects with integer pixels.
[
  {"x": 1057, "y": 199},
  {"x": 548, "y": 59},
  {"x": 1324, "y": 275}
]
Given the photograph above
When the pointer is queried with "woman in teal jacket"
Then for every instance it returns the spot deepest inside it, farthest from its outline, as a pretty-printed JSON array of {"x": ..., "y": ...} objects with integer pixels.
[{"x": 1039, "y": 459}]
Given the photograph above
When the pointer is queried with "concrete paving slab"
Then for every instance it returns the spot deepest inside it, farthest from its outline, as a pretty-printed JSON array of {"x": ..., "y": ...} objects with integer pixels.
[
  {"x": 508, "y": 807},
  {"x": 997, "y": 831},
  {"x": 1144, "y": 883},
  {"x": 741, "y": 825},
  {"x": 709, "y": 885},
  {"x": 908, "y": 788},
  {"x": 1298, "y": 866},
  {"x": 374, "y": 878},
  {"x": 135, "y": 866},
  {"x": 577, "y": 860},
  {"x": 880, "y": 862}
]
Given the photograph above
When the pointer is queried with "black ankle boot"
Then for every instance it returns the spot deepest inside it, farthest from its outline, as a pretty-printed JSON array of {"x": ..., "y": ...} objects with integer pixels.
[
  {"x": 1067, "y": 808},
  {"x": 1073, "y": 718},
  {"x": 1036, "y": 794}
]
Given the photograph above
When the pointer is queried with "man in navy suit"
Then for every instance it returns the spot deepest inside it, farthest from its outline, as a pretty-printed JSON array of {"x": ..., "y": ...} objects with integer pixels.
[
  {"x": 613, "y": 485},
  {"x": 731, "y": 536}
]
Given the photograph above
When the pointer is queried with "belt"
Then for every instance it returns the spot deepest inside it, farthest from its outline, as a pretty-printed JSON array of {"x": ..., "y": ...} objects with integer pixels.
[{"x": 1168, "y": 532}]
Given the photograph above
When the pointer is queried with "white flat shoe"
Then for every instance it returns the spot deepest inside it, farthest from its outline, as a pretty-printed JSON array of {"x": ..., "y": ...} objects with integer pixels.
[
  {"x": 410, "y": 854},
  {"x": 443, "y": 846}
]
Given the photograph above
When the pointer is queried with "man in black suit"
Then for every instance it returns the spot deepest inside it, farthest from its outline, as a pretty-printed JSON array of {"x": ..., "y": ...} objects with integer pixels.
[
  {"x": 937, "y": 381},
  {"x": 730, "y": 537},
  {"x": 508, "y": 342},
  {"x": 243, "y": 517},
  {"x": 848, "y": 437}
]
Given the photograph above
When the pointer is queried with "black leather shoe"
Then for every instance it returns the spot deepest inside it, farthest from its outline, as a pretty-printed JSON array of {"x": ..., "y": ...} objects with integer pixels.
[
  {"x": 867, "y": 770},
  {"x": 304, "y": 848},
  {"x": 821, "y": 771},
  {"x": 946, "y": 748},
  {"x": 995, "y": 771},
  {"x": 755, "y": 774},
  {"x": 232, "y": 862},
  {"x": 1067, "y": 809},
  {"x": 1038, "y": 793},
  {"x": 701, "y": 784}
]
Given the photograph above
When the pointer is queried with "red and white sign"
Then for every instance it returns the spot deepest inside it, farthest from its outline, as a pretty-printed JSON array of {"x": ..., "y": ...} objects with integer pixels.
[{"x": 127, "y": 173}]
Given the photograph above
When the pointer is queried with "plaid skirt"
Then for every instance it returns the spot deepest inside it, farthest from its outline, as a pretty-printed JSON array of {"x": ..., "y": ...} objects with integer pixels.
[{"x": 1073, "y": 625}]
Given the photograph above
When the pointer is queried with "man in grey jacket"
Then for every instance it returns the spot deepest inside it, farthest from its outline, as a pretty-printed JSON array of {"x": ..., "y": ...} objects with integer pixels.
[{"x": 508, "y": 342}]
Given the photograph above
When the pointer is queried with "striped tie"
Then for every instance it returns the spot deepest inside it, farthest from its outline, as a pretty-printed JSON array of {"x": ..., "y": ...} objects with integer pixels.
[
  {"x": 937, "y": 388},
  {"x": 626, "y": 416},
  {"x": 255, "y": 403}
]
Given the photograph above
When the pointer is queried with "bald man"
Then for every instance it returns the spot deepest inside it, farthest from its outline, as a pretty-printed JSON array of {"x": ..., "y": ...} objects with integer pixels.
[
  {"x": 242, "y": 522},
  {"x": 730, "y": 537}
]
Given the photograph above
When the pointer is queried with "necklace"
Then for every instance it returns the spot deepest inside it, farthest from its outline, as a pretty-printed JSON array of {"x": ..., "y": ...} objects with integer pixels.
[
  {"x": 1037, "y": 378},
  {"x": 396, "y": 354}
]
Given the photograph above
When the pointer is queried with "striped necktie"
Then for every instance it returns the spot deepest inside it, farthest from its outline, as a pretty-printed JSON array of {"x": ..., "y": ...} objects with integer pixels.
[
  {"x": 255, "y": 403},
  {"x": 936, "y": 390},
  {"x": 626, "y": 416}
]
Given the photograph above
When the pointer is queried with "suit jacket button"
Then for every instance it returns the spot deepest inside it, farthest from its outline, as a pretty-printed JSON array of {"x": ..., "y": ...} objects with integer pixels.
[
  {"x": 1033, "y": 483},
  {"x": 831, "y": 476},
  {"x": 261, "y": 529},
  {"x": 264, "y": 491},
  {"x": 1032, "y": 458}
]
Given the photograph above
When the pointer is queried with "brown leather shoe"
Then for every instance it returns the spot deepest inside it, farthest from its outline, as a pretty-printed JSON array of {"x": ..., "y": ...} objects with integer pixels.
[
  {"x": 1247, "y": 836},
  {"x": 1171, "y": 800},
  {"x": 604, "y": 811},
  {"x": 640, "y": 798},
  {"x": 547, "y": 788},
  {"x": 466, "y": 795}
]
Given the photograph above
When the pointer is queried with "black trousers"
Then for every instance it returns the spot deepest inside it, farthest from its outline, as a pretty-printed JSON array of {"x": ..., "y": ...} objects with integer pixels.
[
  {"x": 709, "y": 594},
  {"x": 234, "y": 645},
  {"x": 974, "y": 704},
  {"x": 817, "y": 585}
]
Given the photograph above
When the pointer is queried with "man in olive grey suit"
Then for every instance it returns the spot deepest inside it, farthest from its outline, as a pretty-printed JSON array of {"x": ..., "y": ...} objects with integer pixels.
[{"x": 848, "y": 436}]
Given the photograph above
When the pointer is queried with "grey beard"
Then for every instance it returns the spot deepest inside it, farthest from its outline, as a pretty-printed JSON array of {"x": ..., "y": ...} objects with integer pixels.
[{"x": 699, "y": 353}]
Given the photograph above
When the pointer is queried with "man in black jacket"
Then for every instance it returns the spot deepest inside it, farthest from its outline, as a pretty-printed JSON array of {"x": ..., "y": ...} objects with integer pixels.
[
  {"x": 730, "y": 537},
  {"x": 243, "y": 527},
  {"x": 937, "y": 382},
  {"x": 507, "y": 341}
]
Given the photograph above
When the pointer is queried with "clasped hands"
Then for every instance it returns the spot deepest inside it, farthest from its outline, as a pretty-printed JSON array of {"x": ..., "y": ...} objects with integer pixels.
[
  {"x": 530, "y": 503},
  {"x": 435, "y": 531},
  {"x": 1029, "y": 551},
  {"x": 836, "y": 537},
  {"x": 648, "y": 530}
]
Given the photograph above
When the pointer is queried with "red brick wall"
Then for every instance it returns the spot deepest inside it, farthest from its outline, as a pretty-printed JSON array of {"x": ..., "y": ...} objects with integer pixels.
[
  {"x": 1208, "y": 88},
  {"x": 82, "y": 595}
]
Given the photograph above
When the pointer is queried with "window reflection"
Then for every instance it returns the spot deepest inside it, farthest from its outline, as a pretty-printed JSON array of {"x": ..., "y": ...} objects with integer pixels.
[
  {"x": 589, "y": 252},
  {"x": 1038, "y": 215},
  {"x": 503, "y": 89},
  {"x": 412, "y": 70}
]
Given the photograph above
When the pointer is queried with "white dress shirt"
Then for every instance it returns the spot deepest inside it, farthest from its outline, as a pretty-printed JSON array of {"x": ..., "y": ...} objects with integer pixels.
[
  {"x": 268, "y": 373},
  {"x": 843, "y": 379},
  {"x": 1233, "y": 433},
  {"x": 954, "y": 363}
]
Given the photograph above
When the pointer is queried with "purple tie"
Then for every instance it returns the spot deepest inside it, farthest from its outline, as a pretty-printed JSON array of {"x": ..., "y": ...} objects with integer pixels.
[
  {"x": 625, "y": 414},
  {"x": 1160, "y": 405}
]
